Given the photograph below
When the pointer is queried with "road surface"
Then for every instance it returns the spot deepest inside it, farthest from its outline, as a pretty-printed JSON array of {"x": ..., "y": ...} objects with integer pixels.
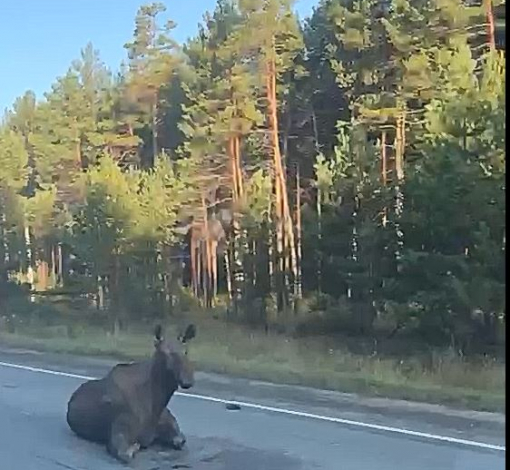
[{"x": 288, "y": 429}]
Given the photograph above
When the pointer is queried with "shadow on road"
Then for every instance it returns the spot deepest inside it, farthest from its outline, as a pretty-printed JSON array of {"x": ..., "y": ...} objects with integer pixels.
[{"x": 203, "y": 454}]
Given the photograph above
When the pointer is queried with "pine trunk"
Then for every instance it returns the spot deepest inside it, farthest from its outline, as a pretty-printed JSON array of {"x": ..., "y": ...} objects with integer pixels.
[
  {"x": 299, "y": 244},
  {"x": 253, "y": 266},
  {"x": 42, "y": 275},
  {"x": 4, "y": 253},
  {"x": 59, "y": 265},
  {"x": 384, "y": 174},
  {"x": 319, "y": 240},
  {"x": 53, "y": 263},
  {"x": 194, "y": 262},
  {"x": 351, "y": 291},
  {"x": 239, "y": 278},
  {"x": 489, "y": 13},
  {"x": 154, "y": 118},
  {"x": 237, "y": 283},
  {"x": 236, "y": 157},
  {"x": 399, "y": 170},
  {"x": 78, "y": 157},
  {"x": 231, "y": 147},
  {"x": 270, "y": 255},
  {"x": 214, "y": 270},
  {"x": 206, "y": 248},
  {"x": 284, "y": 226},
  {"x": 101, "y": 293},
  {"x": 228, "y": 272},
  {"x": 4, "y": 241},
  {"x": 29, "y": 255}
]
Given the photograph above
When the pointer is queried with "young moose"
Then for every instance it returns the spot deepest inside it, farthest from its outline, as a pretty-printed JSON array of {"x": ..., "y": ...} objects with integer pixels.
[{"x": 127, "y": 409}]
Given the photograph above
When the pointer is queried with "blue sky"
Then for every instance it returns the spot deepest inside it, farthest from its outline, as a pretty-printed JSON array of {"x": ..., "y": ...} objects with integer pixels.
[{"x": 40, "y": 38}]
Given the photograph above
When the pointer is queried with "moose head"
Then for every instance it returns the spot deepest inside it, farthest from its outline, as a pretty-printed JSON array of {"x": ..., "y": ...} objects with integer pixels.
[{"x": 175, "y": 355}]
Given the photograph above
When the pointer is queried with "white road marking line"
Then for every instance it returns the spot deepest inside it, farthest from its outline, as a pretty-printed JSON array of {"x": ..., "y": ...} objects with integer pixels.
[
  {"x": 301, "y": 414},
  {"x": 47, "y": 371}
]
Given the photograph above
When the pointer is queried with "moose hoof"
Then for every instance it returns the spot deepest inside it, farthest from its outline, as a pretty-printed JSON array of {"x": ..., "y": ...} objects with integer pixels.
[
  {"x": 124, "y": 457},
  {"x": 178, "y": 442},
  {"x": 129, "y": 454}
]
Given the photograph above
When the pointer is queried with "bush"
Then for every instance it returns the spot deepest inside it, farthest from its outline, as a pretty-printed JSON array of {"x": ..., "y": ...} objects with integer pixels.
[{"x": 324, "y": 315}]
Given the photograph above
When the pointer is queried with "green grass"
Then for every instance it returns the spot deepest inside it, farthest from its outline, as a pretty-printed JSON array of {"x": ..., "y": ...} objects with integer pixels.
[{"x": 446, "y": 379}]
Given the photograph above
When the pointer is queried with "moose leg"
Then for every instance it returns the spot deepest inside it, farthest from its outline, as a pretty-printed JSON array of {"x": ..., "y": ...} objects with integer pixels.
[
  {"x": 168, "y": 432},
  {"x": 122, "y": 444}
]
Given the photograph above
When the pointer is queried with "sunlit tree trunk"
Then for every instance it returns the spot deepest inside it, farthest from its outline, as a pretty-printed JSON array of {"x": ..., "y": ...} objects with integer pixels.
[
  {"x": 42, "y": 275},
  {"x": 491, "y": 35},
  {"x": 284, "y": 225}
]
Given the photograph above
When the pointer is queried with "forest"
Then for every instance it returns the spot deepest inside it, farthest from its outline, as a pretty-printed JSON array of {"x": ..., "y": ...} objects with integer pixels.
[{"x": 339, "y": 174}]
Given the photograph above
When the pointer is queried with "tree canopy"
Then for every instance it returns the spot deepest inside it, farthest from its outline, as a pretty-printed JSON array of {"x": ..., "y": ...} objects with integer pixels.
[{"x": 346, "y": 171}]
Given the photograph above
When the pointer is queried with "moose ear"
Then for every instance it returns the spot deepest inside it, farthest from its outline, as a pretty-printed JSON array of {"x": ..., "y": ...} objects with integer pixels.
[
  {"x": 189, "y": 333},
  {"x": 158, "y": 333}
]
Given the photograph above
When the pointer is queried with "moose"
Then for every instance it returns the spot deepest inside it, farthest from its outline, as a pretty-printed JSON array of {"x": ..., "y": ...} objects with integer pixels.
[{"x": 127, "y": 409}]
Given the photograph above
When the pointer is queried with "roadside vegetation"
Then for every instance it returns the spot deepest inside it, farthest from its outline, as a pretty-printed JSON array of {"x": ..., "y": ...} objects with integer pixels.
[
  {"x": 395, "y": 369},
  {"x": 324, "y": 198}
]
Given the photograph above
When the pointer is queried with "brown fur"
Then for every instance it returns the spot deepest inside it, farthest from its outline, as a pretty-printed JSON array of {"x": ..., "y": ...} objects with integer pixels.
[{"x": 127, "y": 409}]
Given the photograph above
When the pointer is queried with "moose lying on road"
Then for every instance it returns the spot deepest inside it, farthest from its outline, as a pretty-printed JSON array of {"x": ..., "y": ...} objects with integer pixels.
[{"x": 127, "y": 409}]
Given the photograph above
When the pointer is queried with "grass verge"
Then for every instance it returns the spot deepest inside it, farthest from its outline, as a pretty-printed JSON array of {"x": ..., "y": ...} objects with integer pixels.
[{"x": 443, "y": 379}]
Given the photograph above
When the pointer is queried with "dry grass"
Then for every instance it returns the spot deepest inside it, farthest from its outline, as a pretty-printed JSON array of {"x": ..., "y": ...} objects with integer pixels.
[{"x": 444, "y": 378}]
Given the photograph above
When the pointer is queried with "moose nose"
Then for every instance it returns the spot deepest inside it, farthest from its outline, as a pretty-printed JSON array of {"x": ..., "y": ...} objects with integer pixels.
[{"x": 186, "y": 385}]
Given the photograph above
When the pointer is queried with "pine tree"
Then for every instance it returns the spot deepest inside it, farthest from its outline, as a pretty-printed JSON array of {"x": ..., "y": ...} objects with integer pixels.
[
  {"x": 152, "y": 62},
  {"x": 270, "y": 39}
]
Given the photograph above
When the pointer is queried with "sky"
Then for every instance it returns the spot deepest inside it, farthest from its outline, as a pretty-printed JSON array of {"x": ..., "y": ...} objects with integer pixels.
[{"x": 40, "y": 38}]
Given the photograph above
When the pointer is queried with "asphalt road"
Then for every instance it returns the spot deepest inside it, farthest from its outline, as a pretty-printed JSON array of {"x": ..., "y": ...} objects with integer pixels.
[{"x": 34, "y": 434}]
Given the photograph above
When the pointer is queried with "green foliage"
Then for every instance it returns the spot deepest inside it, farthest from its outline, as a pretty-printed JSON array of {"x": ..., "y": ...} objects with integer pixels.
[
  {"x": 258, "y": 200},
  {"x": 13, "y": 159},
  {"x": 103, "y": 178}
]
